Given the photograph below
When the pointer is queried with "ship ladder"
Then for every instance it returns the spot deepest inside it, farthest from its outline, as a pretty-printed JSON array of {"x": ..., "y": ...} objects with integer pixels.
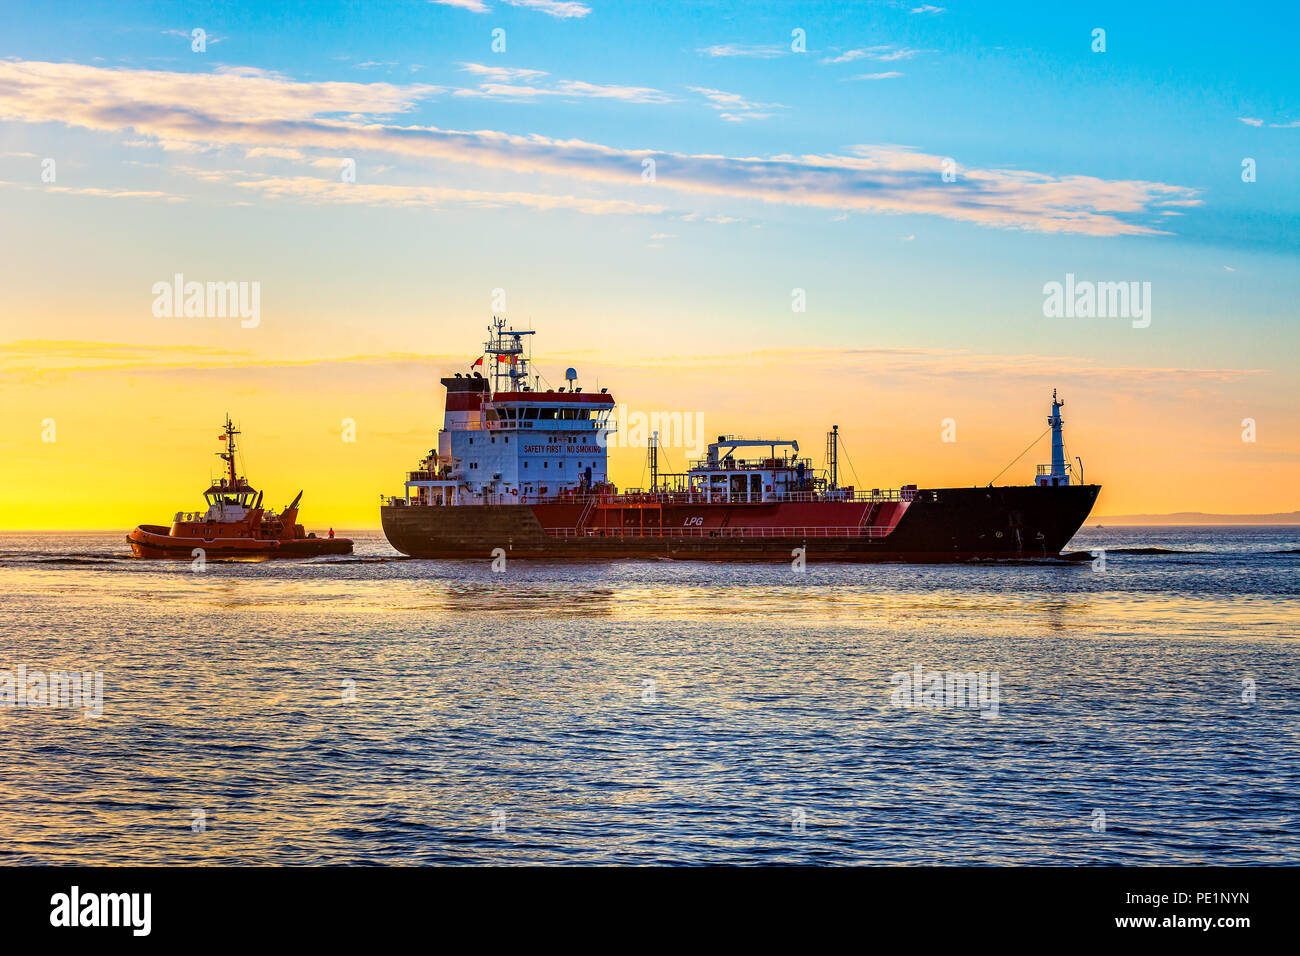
[
  {"x": 586, "y": 512},
  {"x": 870, "y": 516}
]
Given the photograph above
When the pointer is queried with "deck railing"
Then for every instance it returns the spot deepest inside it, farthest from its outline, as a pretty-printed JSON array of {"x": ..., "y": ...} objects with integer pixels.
[
  {"x": 793, "y": 532},
  {"x": 686, "y": 498}
]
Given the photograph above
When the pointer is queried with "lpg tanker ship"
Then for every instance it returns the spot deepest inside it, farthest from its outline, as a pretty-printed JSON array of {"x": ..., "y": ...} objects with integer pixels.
[{"x": 524, "y": 470}]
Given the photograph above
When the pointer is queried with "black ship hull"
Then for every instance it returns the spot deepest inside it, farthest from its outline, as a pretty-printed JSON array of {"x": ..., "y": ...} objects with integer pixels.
[{"x": 938, "y": 526}]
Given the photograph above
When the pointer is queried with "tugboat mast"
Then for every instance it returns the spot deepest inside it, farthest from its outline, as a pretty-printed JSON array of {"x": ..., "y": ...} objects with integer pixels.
[{"x": 228, "y": 456}]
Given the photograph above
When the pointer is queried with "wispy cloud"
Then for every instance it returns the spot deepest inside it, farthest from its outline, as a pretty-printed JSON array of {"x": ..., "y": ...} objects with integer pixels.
[
  {"x": 98, "y": 191},
  {"x": 889, "y": 53},
  {"x": 734, "y": 107},
  {"x": 1251, "y": 121},
  {"x": 273, "y": 152},
  {"x": 502, "y": 74},
  {"x": 885, "y": 53},
  {"x": 560, "y": 9},
  {"x": 210, "y": 39},
  {"x": 555, "y": 8},
  {"x": 311, "y": 189},
  {"x": 41, "y": 356},
  {"x": 761, "y": 51},
  {"x": 523, "y": 84},
  {"x": 241, "y": 94},
  {"x": 239, "y": 108},
  {"x": 892, "y": 74},
  {"x": 928, "y": 9}
]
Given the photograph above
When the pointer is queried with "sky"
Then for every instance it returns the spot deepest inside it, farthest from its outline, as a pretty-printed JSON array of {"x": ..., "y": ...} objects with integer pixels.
[{"x": 774, "y": 217}]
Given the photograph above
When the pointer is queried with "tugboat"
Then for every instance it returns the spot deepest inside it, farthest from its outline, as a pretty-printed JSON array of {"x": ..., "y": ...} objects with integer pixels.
[{"x": 235, "y": 525}]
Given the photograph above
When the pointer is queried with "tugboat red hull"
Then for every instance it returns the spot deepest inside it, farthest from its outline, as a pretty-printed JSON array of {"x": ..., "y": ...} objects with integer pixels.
[
  {"x": 234, "y": 524},
  {"x": 155, "y": 541}
]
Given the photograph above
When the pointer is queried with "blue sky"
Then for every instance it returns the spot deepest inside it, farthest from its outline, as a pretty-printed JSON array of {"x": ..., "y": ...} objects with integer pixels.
[{"x": 776, "y": 170}]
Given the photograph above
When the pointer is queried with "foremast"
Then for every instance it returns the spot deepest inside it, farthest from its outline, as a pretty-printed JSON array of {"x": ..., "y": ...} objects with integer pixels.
[{"x": 1058, "y": 472}]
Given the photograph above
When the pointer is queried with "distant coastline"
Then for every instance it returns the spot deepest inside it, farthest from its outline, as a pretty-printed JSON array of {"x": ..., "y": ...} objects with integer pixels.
[{"x": 1195, "y": 517}]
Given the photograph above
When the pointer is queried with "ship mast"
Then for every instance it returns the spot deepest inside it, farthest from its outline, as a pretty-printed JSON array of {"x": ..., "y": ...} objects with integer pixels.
[
  {"x": 652, "y": 452},
  {"x": 506, "y": 348},
  {"x": 833, "y": 455}
]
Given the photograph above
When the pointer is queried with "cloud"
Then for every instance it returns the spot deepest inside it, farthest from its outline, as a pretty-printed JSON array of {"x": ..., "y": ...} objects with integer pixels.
[
  {"x": 250, "y": 109},
  {"x": 889, "y": 54},
  {"x": 230, "y": 93},
  {"x": 734, "y": 107},
  {"x": 892, "y": 74},
  {"x": 502, "y": 74},
  {"x": 886, "y": 53},
  {"x": 700, "y": 217},
  {"x": 311, "y": 189},
  {"x": 500, "y": 82},
  {"x": 98, "y": 191},
  {"x": 739, "y": 49},
  {"x": 928, "y": 9},
  {"x": 188, "y": 36},
  {"x": 1251, "y": 121},
  {"x": 272, "y": 152},
  {"x": 41, "y": 356},
  {"x": 555, "y": 8},
  {"x": 560, "y": 9}
]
